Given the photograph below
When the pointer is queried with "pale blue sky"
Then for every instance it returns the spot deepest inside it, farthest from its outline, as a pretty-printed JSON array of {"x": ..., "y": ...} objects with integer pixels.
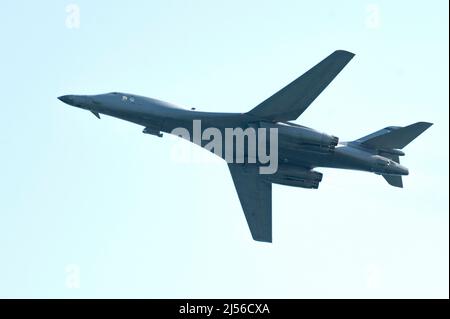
[{"x": 105, "y": 197}]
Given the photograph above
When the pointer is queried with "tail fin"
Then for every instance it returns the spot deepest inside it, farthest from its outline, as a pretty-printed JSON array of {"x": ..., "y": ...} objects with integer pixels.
[
  {"x": 389, "y": 141},
  {"x": 394, "y": 137},
  {"x": 394, "y": 180}
]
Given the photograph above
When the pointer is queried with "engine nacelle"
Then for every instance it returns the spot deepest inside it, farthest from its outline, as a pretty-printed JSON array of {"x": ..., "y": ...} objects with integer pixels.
[
  {"x": 295, "y": 176},
  {"x": 392, "y": 151},
  {"x": 296, "y": 182},
  {"x": 298, "y": 173},
  {"x": 302, "y": 137}
]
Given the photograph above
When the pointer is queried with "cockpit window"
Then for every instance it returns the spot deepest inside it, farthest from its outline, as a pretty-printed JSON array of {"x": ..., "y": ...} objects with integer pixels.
[{"x": 126, "y": 98}]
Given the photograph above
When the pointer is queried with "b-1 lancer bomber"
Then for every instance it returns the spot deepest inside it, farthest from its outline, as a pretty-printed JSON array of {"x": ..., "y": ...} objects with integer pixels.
[{"x": 295, "y": 150}]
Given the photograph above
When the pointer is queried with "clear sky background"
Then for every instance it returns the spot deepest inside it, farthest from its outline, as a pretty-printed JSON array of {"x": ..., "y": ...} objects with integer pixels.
[{"x": 95, "y": 208}]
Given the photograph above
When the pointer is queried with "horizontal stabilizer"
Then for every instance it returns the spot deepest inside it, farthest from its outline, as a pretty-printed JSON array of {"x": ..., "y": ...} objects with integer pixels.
[
  {"x": 290, "y": 102},
  {"x": 394, "y": 180},
  {"x": 394, "y": 137}
]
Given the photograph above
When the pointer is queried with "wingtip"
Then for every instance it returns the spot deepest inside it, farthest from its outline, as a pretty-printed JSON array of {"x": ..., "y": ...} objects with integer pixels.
[
  {"x": 267, "y": 241},
  {"x": 350, "y": 54},
  {"x": 427, "y": 124},
  {"x": 423, "y": 126},
  {"x": 262, "y": 239}
]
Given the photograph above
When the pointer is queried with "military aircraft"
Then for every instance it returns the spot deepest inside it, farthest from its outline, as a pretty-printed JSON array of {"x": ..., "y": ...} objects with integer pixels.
[{"x": 299, "y": 151}]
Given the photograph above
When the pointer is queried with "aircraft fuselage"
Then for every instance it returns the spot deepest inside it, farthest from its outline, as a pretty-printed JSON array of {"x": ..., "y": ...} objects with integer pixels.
[{"x": 319, "y": 150}]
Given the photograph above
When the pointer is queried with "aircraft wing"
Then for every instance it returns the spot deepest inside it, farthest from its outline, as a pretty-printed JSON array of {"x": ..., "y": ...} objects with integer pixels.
[
  {"x": 255, "y": 195},
  {"x": 290, "y": 102}
]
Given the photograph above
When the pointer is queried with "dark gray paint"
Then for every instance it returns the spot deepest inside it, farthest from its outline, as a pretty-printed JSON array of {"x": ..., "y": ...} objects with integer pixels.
[{"x": 301, "y": 149}]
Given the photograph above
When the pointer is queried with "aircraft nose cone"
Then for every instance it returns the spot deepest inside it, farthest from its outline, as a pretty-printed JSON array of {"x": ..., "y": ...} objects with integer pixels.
[{"x": 68, "y": 99}]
